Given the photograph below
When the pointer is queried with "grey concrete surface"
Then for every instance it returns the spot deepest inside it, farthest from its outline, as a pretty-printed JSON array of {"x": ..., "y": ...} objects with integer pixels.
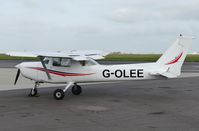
[{"x": 158, "y": 105}]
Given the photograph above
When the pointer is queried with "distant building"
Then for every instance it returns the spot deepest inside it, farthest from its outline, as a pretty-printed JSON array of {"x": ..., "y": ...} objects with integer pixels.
[{"x": 115, "y": 53}]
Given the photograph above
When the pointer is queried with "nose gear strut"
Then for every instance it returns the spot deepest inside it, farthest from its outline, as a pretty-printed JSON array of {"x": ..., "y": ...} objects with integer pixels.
[{"x": 34, "y": 91}]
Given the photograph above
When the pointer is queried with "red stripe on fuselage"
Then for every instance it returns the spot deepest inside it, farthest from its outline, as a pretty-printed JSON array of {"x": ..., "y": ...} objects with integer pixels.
[{"x": 61, "y": 73}]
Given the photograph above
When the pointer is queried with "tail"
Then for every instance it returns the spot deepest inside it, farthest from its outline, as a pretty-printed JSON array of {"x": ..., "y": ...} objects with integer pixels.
[{"x": 174, "y": 57}]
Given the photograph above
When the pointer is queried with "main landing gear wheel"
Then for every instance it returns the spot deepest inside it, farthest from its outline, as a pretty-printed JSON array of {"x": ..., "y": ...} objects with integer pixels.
[
  {"x": 59, "y": 94},
  {"x": 76, "y": 90},
  {"x": 33, "y": 92}
]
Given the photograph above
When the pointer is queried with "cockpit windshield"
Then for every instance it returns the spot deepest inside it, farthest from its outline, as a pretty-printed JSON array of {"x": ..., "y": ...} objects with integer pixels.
[{"x": 93, "y": 62}]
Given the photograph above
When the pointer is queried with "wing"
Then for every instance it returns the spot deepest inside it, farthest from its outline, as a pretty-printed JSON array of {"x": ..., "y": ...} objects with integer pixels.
[
  {"x": 84, "y": 55},
  {"x": 75, "y": 55},
  {"x": 37, "y": 54}
]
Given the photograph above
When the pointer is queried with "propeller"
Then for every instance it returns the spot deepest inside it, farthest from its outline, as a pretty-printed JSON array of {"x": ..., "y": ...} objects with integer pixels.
[{"x": 17, "y": 76}]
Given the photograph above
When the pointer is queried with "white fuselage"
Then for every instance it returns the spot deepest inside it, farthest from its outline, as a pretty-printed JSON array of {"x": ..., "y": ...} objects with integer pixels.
[{"x": 85, "y": 74}]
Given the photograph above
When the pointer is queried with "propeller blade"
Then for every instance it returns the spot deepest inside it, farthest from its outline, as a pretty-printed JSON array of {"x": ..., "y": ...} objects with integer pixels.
[{"x": 17, "y": 76}]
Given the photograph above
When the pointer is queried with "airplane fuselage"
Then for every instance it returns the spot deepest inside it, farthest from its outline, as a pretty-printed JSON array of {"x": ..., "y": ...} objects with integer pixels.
[
  {"x": 85, "y": 74},
  {"x": 74, "y": 68}
]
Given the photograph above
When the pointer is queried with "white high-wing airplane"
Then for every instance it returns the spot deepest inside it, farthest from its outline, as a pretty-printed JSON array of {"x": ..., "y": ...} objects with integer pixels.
[{"x": 76, "y": 67}]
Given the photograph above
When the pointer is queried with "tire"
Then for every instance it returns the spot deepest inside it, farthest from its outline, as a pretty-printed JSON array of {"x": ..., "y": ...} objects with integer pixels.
[
  {"x": 33, "y": 92},
  {"x": 76, "y": 90},
  {"x": 59, "y": 94}
]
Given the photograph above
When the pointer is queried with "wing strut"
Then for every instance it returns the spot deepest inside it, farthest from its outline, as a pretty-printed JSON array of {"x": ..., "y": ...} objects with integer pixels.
[{"x": 46, "y": 70}]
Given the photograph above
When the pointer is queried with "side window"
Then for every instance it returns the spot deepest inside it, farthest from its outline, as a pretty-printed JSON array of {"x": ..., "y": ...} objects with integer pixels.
[
  {"x": 56, "y": 61},
  {"x": 61, "y": 62},
  {"x": 65, "y": 62},
  {"x": 82, "y": 63}
]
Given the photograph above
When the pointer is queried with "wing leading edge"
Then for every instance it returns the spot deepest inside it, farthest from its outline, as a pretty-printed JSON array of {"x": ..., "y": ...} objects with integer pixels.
[{"x": 75, "y": 55}]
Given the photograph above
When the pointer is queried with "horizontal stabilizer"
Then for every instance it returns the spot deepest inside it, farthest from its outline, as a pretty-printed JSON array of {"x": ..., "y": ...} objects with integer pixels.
[{"x": 164, "y": 73}]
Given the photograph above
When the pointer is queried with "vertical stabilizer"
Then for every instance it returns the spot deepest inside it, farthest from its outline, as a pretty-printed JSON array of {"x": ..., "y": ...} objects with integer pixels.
[{"x": 174, "y": 57}]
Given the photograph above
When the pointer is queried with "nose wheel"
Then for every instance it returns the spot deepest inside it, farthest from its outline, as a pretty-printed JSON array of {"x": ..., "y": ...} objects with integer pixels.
[
  {"x": 59, "y": 94},
  {"x": 34, "y": 91}
]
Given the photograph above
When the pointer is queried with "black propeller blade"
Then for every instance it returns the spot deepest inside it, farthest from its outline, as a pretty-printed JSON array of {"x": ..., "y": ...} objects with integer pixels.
[{"x": 17, "y": 76}]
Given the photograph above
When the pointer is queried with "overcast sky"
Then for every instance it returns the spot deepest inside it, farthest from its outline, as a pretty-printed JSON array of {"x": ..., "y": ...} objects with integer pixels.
[{"x": 136, "y": 26}]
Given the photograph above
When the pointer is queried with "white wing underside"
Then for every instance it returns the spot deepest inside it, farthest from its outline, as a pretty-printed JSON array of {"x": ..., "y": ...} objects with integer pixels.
[{"x": 75, "y": 55}]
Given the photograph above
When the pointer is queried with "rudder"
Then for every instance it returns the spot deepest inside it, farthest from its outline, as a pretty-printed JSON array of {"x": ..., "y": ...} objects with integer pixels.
[{"x": 174, "y": 57}]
